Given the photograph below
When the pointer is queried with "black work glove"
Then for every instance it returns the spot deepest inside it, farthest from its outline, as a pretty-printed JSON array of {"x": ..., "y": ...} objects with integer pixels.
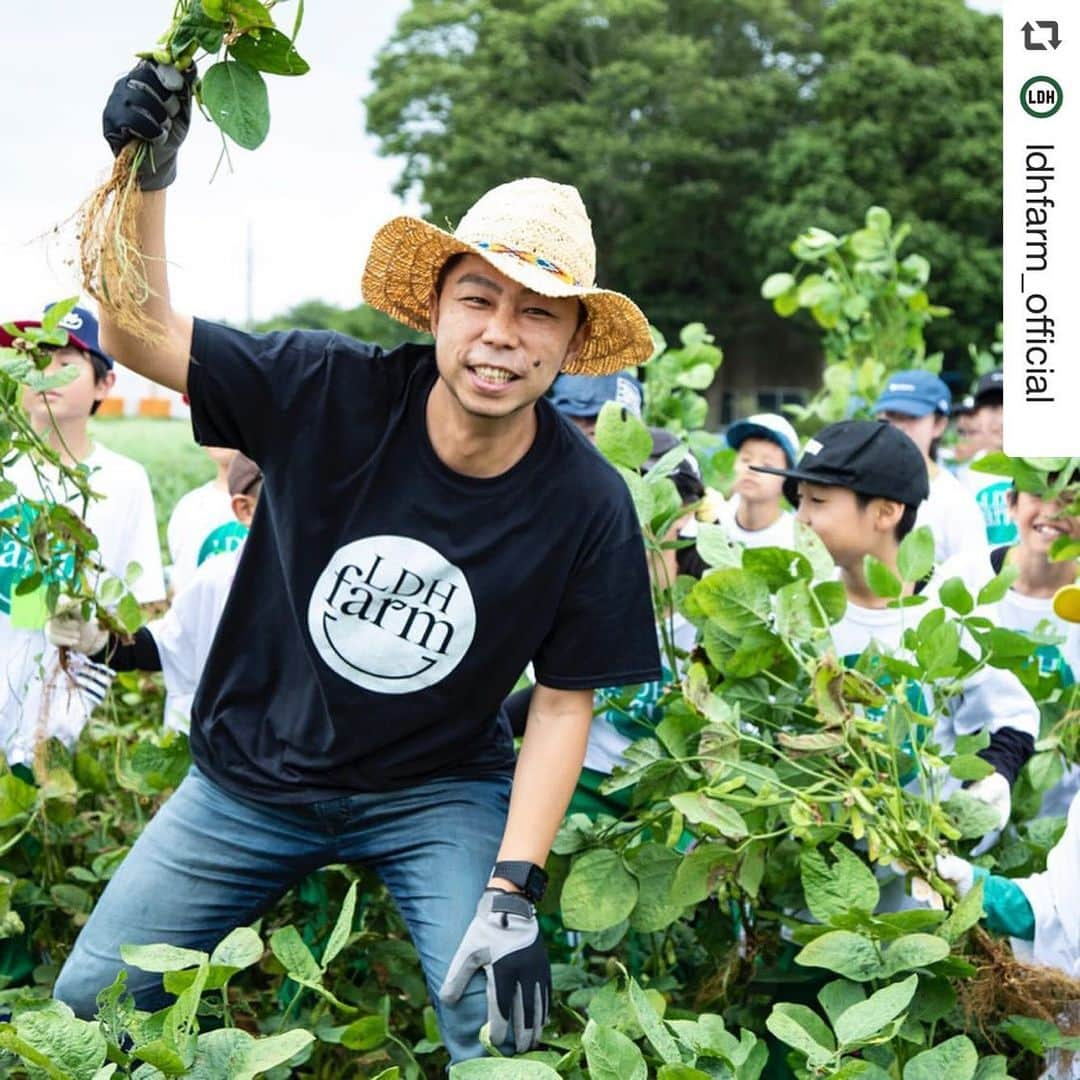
[
  {"x": 151, "y": 102},
  {"x": 504, "y": 939}
]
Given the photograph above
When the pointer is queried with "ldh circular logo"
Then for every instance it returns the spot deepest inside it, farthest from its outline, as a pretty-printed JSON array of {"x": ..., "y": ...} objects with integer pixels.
[{"x": 390, "y": 614}]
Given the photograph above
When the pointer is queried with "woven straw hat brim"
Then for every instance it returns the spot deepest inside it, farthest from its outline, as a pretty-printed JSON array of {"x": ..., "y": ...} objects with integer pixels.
[{"x": 407, "y": 254}]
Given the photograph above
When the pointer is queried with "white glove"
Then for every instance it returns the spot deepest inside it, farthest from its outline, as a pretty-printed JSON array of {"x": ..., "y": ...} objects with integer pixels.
[
  {"x": 67, "y": 629},
  {"x": 994, "y": 791},
  {"x": 959, "y": 871}
]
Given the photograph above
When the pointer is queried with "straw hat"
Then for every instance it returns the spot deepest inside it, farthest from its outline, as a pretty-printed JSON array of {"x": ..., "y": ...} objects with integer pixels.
[{"x": 533, "y": 231}]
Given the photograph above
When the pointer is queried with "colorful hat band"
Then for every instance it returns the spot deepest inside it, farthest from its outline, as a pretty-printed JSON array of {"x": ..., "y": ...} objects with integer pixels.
[{"x": 527, "y": 257}]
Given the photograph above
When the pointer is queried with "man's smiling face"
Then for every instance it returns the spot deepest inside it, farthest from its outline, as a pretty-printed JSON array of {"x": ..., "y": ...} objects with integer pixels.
[{"x": 498, "y": 345}]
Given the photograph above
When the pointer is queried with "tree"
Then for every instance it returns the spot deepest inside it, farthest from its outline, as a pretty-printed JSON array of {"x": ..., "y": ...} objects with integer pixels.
[
  {"x": 656, "y": 111},
  {"x": 704, "y": 134},
  {"x": 907, "y": 114},
  {"x": 362, "y": 322}
]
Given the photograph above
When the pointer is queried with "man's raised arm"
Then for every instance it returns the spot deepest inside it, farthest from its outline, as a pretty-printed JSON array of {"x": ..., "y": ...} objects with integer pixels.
[{"x": 152, "y": 103}]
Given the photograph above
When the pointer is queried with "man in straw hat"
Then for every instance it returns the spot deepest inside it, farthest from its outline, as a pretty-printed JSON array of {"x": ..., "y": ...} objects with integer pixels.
[{"x": 428, "y": 526}]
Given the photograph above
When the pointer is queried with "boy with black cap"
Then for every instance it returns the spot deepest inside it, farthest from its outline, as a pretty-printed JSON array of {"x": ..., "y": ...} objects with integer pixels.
[
  {"x": 122, "y": 519},
  {"x": 859, "y": 485},
  {"x": 917, "y": 402}
]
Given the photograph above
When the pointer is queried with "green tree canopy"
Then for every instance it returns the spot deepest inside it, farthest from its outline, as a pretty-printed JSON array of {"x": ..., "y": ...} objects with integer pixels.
[
  {"x": 362, "y": 322},
  {"x": 703, "y": 134}
]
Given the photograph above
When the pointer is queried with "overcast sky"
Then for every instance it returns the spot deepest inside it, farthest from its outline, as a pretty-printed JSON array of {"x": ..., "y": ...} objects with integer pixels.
[{"x": 311, "y": 196}]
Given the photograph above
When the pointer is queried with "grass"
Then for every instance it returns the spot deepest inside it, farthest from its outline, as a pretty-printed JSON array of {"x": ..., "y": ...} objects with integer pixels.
[{"x": 175, "y": 463}]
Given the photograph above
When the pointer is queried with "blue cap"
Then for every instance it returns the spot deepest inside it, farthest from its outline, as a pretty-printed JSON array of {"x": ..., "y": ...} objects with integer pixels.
[
  {"x": 914, "y": 393},
  {"x": 765, "y": 426},
  {"x": 81, "y": 327},
  {"x": 586, "y": 395}
]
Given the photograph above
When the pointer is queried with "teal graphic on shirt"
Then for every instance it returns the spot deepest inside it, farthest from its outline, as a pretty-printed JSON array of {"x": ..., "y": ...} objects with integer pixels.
[
  {"x": 994, "y": 503},
  {"x": 224, "y": 538},
  {"x": 639, "y": 716},
  {"x": 1052, "y": 661},
  {"x": 17, "y": 561}
]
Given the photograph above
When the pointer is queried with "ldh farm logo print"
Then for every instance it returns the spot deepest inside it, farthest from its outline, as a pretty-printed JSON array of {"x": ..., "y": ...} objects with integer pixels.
[{"x": 391, "y": 614}]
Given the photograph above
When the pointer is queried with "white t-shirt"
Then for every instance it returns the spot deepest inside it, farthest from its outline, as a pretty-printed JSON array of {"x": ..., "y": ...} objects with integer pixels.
[
  {"x": 991, "y": 496},
  {"x": 953, "y": 516},
  {"x": 183, "y": 635},
  {"x": 781, "y": 533},
  {"x": 37, "y": 698},
  {"x": 202, "y": 524}
]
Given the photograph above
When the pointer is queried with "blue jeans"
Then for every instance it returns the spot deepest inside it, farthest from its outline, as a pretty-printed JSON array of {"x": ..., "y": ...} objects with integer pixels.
[{"x": 209, "y": 861}]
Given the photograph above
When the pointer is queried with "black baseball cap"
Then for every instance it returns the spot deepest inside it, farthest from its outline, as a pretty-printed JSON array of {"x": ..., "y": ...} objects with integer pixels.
[
  {"x": 990, "y": 389},
  {"x": 869, "y": 457}
]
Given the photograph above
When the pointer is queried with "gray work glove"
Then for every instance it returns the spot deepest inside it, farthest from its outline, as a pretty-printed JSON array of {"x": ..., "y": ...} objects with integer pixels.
[
  {"x": 504, "y": 939},
  {"x": 151, "y": 102}
]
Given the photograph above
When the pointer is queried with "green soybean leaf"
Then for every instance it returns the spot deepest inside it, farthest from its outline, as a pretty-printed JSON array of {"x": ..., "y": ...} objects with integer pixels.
[
  {"x": 339, "y": 937},
  {"x": 610, "y": 1054},
  {"x": 955, "y": 1058},
  {"x": 832, "y": 597},
  {"x": 289, "y": 947},
  {"x": 838, "y": 996},
  {"x": 661, "y": 1040},
  {"x": 270, "y": 51},
  {"x": 915, "y": 559},
  {"x": 699, "y": 809},
  {"x": 913, "y": 951},
  {"x": 681, "y": 1072},
  {"x": 837, "y": 889},
  {"x": 881, "y": 579},
  {"x": 161, "y": 958},
  {"x": 502, "y": 1069},
  {"x": 598, "y": 892},
  {"x": 866, "y": 1018},
  {"x": 971, "y": 816},
  {"x": 848, "y": 954},
  {"x": 803, "y": 1029},
  {"x": 715, "y": 546},
  {"x": 954, "y": 594},
  {"x": 776, "y": 284},
  {"x": 996, "y": 590},
  {"x": 654, "y": 866},
  {"x": 366, "y": 1033},
  {"x": 621, "y": 437},
  {"x": 970, "y": 767},
  {"x": 736, "y": 599},
  {"x": 993, "y": 1068},
  {"x": 240, "y": 949},
  {"x": 235, "y": 96}
]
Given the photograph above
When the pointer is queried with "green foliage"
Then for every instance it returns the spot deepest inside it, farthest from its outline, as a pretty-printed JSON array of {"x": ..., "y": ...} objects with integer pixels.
[
  {"x": 871, "y": 304},
  {"x": 362, "y": 322},
  {"x": 703, "y": 136}
]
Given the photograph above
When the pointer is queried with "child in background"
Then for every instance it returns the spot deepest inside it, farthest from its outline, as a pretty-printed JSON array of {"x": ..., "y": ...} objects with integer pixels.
[
  {"x": 917, "y": 402},
  {"x": 202, "y": 523},
  {"x": 176, "y": 644},
  {"x": 753, "y": 515},
  {"x": 991, "y": 492},
  {"x": 581, "y": 397},
  {"x": 1040, "y": 519},
  {"x": 38, "y": 699},
  {"x": 858, "y": 485}
]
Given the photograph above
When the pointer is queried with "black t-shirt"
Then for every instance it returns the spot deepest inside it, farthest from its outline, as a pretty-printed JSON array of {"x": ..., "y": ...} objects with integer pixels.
[{"x": 384, "y": 605}]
